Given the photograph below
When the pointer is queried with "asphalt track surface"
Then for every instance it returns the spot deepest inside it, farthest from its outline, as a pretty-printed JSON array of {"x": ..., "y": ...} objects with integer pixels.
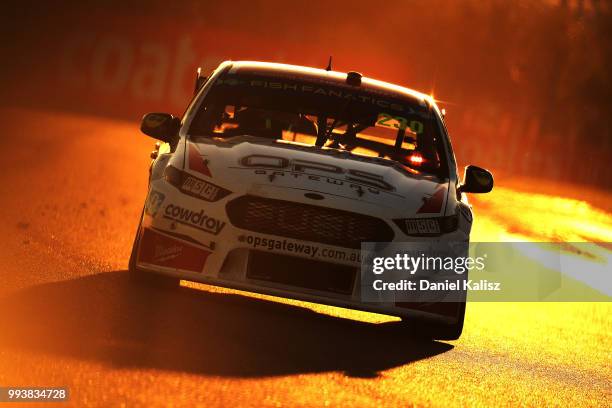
[{"x": 72, "y": 188}]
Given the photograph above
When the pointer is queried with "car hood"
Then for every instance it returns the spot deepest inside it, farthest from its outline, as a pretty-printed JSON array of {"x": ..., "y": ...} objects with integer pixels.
[{"x": 323, "y": 177}]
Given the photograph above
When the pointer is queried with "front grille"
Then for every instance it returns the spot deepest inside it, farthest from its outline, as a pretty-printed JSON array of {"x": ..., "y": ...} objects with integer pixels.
[
  {"x": 302, "y": 273},
  {"x": 307, "y": 222}
]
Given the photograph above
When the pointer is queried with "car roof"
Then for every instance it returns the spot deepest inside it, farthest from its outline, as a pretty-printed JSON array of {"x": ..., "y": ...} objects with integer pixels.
[{"x": 317, "y": 74}]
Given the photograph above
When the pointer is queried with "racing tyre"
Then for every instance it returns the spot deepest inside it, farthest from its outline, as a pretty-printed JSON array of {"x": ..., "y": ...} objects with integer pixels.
[{"x": 141, "y": 277}]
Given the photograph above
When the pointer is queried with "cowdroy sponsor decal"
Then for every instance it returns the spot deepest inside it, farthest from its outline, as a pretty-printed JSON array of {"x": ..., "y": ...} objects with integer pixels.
[
  {"x": 154, "y": 201},
  {"x": 313, "y": 251},
  {"x": 196, "y": 219},
  {"x": 281, "y": 166}
]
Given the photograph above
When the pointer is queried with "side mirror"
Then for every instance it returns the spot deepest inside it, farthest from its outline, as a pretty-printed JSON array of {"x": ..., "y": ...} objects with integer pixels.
[
  {"x": 162, "y": 126},
  {"x": 476, "y": 180}
]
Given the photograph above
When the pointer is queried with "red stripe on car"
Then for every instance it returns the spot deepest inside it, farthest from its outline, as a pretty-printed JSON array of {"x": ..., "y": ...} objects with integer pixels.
[
  {"x": 433, "y": 204},
  {"x": 196, "y": 162},
  {"x": 158, "y": 249}
]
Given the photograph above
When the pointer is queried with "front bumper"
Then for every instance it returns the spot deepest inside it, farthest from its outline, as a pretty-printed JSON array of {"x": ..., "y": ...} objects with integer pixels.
[{"x": 190, "y": 239}]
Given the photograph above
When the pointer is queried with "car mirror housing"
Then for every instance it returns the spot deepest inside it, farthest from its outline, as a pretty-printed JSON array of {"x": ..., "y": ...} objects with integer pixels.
[
  {"x": 161, "y": 126},
  {"x": 476, "y": 180}
]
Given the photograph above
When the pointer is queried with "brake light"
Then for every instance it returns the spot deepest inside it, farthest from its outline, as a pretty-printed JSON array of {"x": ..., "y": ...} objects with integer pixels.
[{"x": 416, "y": 159}]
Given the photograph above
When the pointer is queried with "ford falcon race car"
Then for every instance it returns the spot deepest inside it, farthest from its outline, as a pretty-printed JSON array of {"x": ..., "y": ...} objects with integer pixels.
[{"x": 276, "y": 174}]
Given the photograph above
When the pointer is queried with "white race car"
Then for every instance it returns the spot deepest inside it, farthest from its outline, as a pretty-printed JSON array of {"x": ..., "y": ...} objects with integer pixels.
[{"x": 276, "y": 174}]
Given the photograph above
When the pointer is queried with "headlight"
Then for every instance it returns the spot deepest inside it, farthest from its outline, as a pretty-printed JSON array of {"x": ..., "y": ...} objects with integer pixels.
[
  {"x": 423, "y": 227},
  {"x": 194, "y": 186}
]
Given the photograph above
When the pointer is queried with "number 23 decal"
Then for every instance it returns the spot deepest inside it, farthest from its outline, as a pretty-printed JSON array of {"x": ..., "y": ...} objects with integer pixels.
[{"x": 399, "y": 122}]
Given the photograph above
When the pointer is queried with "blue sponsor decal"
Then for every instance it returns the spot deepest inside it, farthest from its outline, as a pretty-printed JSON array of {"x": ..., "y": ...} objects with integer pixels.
[{"x": 154, "y": 202}]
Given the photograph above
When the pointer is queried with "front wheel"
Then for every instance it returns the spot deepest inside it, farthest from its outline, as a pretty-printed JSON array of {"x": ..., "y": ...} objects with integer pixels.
[{"x": 141, "y": 277}]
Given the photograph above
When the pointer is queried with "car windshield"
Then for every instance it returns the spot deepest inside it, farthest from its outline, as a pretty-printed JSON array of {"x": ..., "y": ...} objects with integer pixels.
[{"x": 366, "y": 122}]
